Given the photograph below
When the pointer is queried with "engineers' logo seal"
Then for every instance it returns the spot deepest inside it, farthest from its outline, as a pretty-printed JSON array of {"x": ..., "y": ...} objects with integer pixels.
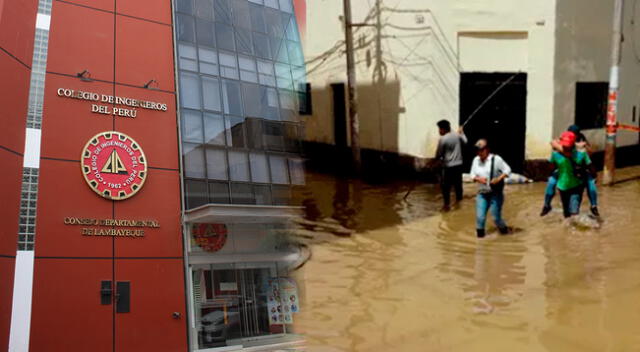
[{"x": 113, "y": 165}]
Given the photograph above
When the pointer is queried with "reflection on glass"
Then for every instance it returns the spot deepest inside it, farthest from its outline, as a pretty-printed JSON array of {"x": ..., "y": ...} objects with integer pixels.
[
  {"x": 263, "y": 195},
  {"x": 259, "y": 167},
  {"x": 243, "y": 40},
  {"x": 242, "y": 193},
  {"x": 296, "y": 168},
  {"x": 204, "y": 9},
  {"x": 235, "y": 131},
  {"x": 274, "y": 135},
  {"x": 216, "y": 164},
  {"x": 261, "y": 45},
  {"x": 241, "y": 16},
  {"x": 238, "y": 166},
  {"x": 187, "y": 57},
  {"x": 208, "y": 61},
  {"x": 279, "y": 170},
  {"x": 205, "y": 33},
  {"x": 281, "y": 195},
  {"x": 184, "y": 6},
  {"x": 225, "y": 37},
  {"x": 222, "y": 11},
  {"x": 189, "y": 90},
  {"x": 279, "y": 48},
  {"x": 228, "y": 66},
  {"x": 195, "y": 193},
  {"x": 211, "y": 93},
  {"x": 193, "y": 156},
  {"x": 214, "y": 129},
  {"x": 254, "y": 133},
  {"x": 247, "y": 70},
  {"x": 257, "y": 20},
  {"x": 185, "y": 28},
  {"x": 285, "y": 5},
  {"x": 266, "y": 74},
  {"x": 191, "y": 126},
  {"x": 232, "y": 100},
  {"x": 219, "y": 192}
]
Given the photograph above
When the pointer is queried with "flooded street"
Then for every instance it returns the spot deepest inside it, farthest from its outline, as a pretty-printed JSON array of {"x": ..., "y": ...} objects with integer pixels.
[{"x": 409, "y": 278}]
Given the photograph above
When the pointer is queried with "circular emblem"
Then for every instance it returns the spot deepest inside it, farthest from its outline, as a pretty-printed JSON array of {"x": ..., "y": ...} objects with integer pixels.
[
  {"x": 210, "y": 237},
  {"x": 113, "y": 165}
]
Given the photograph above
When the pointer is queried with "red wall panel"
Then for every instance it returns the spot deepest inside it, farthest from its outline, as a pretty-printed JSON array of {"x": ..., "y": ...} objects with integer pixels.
[
  {"x": 106, "y": 5},
  {"x": 153, "y": 10},
  {"x": 6, "y": 297},
  {"x": 14, "y": 97},
  {"x": 144, "y": 51},
  {"x": 66, "y": 311},
  {"x": 63, "y": 192},
  {"x": 17, "y": 28},
  {"x": 157, "y": 290},
  {"x": 157, "y": 200},
  {"x": 67, "y": 124},
  {"x": 81, "y": 39},
  {"x": 10, "y": 179}
]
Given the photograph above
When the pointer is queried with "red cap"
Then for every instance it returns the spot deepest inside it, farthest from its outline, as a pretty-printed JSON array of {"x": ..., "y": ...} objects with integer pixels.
[{"x": 567, "y": 139}]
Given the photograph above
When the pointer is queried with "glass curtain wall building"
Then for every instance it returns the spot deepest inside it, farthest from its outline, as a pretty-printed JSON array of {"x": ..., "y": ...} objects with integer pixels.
[{"x": 240, "y": 74}]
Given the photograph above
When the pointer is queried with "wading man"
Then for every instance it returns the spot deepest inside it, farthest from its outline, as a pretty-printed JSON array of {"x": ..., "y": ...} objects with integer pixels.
[
  {"x": 489, "y": 171},
  {"x": 449, "y": 152}
]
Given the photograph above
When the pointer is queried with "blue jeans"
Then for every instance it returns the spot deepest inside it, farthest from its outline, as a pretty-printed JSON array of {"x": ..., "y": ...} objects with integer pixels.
[
  {"x": 592, "y": 190},
  {"x": 489, "y": 201},
  {"x": 571, "y": 200}
]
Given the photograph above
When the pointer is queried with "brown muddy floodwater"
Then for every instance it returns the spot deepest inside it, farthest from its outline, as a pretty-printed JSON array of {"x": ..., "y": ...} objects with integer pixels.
[{"x": 412, "y": 279}]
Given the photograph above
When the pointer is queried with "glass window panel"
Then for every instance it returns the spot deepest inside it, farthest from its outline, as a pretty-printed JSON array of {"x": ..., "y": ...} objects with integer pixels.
[
  {"x": 228, "y": 66},
  {"x": 251, "y": 95},
  {"x": 292, "y": 30},
  {"x": 241, "y": 14},
  {"x": 191, "y": 126},
  {"x": 266, "y": 75},
  {"x": 193, "y": 155},
  {"x": 238, "y": 166},
  {"x": 235, "y": 131},
  {"x": 259, "y": 167},
  {"x": 204, "y": 9},
  {"x": 257, "y": 19},
  {"x": 247, "y": 71},
  {"x": 295, "y": 53},
  {"x": 243, "y": 41},
  {"x": 222, "y": 11},
  {"x": 256, "y": 1},
  {"x": 261, "y": 45},
  {"x": 231, "y": 98},
  {"x": 274, "y": 135},
  {"x": 219, "y": 192},
  {"x": 299, "y": 76},
  {"x": 190, "y": 90},
  {"x": 185, "y": 6},
  {"x": 216, "y": 164},
  {"x": 281, "y": 195},
  {"x": 274, "y": 23},
  {"x": 214, "y": 131},
  {"x": 279, "y": 48},
  {"x": 285, "y": 5},
  {"x": 187, "y": 57},
  {"x": 186, "y": 30},
  {"x": 279, "y": 172},
  {"x": 196, "y": 193},
  {"x": 211, "y": 93},
  {"x": 205, "y": 32},
  {"x": 288, "y": 104},
  {"x": 271, "y": 3},
  {"x": 208, "y": 61},
  {"x": 254, "y": 133},
  {"x": 292, "y": 137},
  {"x": 283, "y": 76},
  {"x": 242, "y": 194},
  {"x": 263, "y": 195},
  {"x": 270, "y": 105},
  {"x": 225, "y": 37},
  {"x": 296, "y": 169}
]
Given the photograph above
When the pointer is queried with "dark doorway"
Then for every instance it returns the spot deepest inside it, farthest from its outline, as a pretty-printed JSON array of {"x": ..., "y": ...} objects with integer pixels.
[
  {"x": 339, "y": 115},
  {"x": 502, "y": 119}
]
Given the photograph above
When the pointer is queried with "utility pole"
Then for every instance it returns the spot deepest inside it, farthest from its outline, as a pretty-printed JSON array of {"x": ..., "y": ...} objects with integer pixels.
[
  {"x": 351, "y": 89},
  {"x": 612, "y": 106}
]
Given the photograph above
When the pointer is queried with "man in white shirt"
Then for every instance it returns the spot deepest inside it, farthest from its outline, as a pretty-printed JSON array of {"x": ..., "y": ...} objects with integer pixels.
[{"x": 489, "y": 171}]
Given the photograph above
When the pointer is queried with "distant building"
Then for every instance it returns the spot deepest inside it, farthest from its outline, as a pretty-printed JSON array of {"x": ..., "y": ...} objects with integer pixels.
[{"x": 429, "y": 60}]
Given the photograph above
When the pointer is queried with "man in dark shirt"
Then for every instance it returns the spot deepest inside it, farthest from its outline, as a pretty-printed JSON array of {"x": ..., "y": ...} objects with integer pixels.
[{"x": 450, "y": 153}]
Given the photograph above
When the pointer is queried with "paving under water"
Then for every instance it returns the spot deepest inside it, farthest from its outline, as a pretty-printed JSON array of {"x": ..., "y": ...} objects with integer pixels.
[{"x": 388, "y": 274}]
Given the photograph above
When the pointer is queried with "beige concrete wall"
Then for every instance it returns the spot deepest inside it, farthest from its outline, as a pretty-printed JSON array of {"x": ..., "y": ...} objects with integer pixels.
[
  {"x": 584, "y": 34},
  {"x": 425, "y": 44}
]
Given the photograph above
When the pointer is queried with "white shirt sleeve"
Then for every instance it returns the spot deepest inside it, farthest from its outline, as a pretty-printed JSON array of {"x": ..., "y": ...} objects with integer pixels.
[{"x": 504, "y": 167}]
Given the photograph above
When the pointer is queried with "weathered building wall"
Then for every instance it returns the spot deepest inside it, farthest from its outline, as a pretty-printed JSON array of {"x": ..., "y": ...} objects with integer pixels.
[
  {"x": 583, "y": 54},
  {"x": 424, "y": 47}
]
